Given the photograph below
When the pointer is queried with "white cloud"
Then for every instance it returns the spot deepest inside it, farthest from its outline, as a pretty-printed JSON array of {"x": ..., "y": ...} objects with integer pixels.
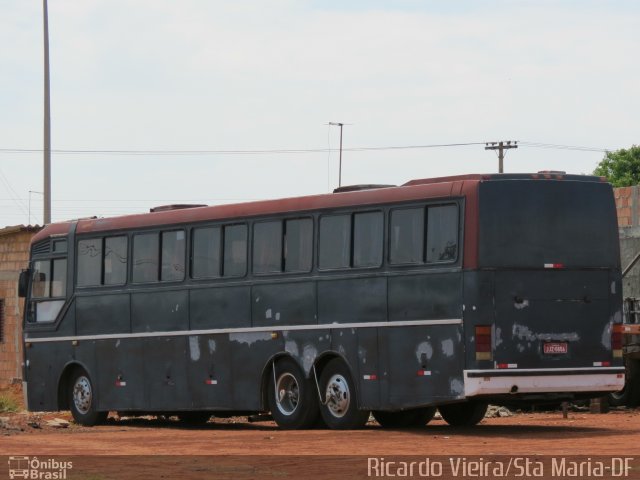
[{"x": 224, "y": 75}]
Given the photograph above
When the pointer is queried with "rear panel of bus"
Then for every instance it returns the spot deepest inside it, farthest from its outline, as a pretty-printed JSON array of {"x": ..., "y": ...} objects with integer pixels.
[{"x": 546, "y": 298}]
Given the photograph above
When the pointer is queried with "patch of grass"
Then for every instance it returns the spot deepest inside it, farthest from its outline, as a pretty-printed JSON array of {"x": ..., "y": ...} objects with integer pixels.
[{"x": 8, "y": 404}]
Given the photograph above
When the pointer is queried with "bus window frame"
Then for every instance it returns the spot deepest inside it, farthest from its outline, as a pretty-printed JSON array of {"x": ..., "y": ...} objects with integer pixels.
[
  {"x": 351, "y": 213},
  {"x": 222, "y": 226},
  {"x": 283, "y": 220},
  {"x": 34, "y": 301},
  {"x": 459, "y": 204}
]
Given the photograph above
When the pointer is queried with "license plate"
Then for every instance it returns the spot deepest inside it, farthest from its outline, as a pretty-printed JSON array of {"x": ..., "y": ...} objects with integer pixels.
[{"x": 556, "y": 347}]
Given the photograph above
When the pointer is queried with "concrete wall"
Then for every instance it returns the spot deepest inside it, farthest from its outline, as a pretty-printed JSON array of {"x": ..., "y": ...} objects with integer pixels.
[
  {"x": 628, "y": 206},
  {"x": 14, "y": 256}
]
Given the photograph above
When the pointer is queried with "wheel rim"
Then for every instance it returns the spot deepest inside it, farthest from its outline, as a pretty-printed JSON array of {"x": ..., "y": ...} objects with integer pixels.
[
  {"x": 338, "y": 396},
  {"x": 287, "y": 393},
  {"x": 82, "y": 394}
]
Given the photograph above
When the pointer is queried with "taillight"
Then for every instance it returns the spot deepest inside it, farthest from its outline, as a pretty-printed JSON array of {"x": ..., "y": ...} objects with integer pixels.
[
  {"x": 616, "y": 340},
  {"x": 483, "y": 343}
]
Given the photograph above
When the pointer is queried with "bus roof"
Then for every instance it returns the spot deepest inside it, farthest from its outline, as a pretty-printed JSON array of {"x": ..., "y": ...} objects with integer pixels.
[{"x": 427, "y": 188}]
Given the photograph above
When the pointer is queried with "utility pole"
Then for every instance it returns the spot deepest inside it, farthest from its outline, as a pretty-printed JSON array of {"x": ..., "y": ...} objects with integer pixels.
[
  {"x": 501, "y": 147},
  {"x": 337, "y": 124},
  {"x": 47, "y": 120}
]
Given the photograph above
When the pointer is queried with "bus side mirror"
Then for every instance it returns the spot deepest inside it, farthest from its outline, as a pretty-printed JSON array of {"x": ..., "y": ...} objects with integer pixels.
[{"x": 23, "y": 283}]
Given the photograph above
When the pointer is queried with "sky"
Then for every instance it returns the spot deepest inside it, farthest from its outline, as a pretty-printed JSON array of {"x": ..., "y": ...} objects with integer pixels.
[{"x": 202, "y": 101}]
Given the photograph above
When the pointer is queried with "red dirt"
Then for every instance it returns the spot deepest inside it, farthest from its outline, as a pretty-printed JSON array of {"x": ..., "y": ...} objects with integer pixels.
[
  {"x": 615, "y": 433},
  {"x": 234, "y": 448}
]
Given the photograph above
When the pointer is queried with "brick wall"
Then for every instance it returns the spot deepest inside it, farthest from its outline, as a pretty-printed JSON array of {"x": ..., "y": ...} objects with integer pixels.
[
  {"x": 627, "y": 203},
  {"x": 14, "y": 256}
]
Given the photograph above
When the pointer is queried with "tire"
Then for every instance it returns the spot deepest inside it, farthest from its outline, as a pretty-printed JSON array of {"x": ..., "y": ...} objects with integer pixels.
[
  {"x": 293, "y": 398},
  {"x": 465, "y": 414},
  {"x": 340, "y": 412},
  {"x": 630, "y": 394},
  {"x": 194, "y": 418},
  {"x": 414, "y": 418},
  {"x": 83, "y": 400}
]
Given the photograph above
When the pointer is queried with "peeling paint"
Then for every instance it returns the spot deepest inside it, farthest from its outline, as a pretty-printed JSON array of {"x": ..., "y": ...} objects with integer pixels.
[
  {"x": 309, "y": 354},
  {"x": 291, "y": 347},
  {"x": 249, "y": 337},
  {"x": 362, "y": 354},
  {"x": 194, "y": 348},
  {"x": 447, "y": 347},
  {"x": 498, "y": 339},
  {"x": 521, "y": 305},
  {"x": 118, "y": 343},
  {"x": 522, "y": 332},
  {"x": 342, "y": 351},
  {"x": 456, "y": 386},
  {"x": 520, "y": 347},
  {"x": 212, "y": 345},
  {"x": 267, "y": 314},
  {"x": 613, "y": 288},
  {"x": 277, "y": 316},
  {"x": 425, "y": 348},
  {"x": 257, "y": 299}
]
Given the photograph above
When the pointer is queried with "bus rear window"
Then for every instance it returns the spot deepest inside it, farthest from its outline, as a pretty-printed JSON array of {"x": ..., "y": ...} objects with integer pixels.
[{"x": 530, "y": 223}]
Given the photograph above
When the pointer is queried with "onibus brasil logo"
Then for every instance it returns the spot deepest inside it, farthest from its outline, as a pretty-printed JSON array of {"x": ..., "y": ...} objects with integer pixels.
[{"x": 34, "y": 468}]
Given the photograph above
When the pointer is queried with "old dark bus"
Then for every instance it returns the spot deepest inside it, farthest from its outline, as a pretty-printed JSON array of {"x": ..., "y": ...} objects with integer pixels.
[{"x": 445, "y": 293}]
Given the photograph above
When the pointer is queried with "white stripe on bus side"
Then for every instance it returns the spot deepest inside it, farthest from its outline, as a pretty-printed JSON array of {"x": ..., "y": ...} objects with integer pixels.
[{"x": 271, "y": 328}]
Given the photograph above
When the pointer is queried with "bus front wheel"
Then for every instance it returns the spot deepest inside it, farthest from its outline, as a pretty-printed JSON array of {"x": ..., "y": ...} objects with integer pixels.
[
  {"x": 292, "y": 397},
  {"x": 83, "y": 400},
  {"x": 417, "y": 417},
  {"x": 466, "y": 414},
  {"x": 339, "y": 407}
]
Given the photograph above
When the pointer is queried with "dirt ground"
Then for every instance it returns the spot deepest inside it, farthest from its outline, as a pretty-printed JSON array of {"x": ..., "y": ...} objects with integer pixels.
[{"x": 240, "y": 443}]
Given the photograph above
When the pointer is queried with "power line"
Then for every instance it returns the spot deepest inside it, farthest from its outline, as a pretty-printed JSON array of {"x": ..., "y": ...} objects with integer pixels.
[
  {"x": 231, "y": 152},
  {"x": 286, "y": 151},
  {"x": 565, "y": 147}
]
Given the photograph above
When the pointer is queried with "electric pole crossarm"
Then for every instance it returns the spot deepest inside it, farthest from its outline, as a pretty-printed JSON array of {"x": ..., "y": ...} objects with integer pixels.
[{"x": 501, "y": 147}]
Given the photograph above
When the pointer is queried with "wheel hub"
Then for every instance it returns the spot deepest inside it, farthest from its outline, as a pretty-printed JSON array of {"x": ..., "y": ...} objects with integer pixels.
[
  {"x": 337, "y": 395},
  {"x": 82, "y": 394},
  {"x": 287, "y": 393}
]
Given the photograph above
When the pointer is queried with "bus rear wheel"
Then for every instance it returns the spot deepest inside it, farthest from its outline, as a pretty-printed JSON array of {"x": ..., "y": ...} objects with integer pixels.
[
  {"x": 83, "y": 400},
  {"x": 465, "y": 414},
  {"x": 415, "y": 418},
  {"x": 339, "y": 407},
  {"x": 292, "y": 397}
]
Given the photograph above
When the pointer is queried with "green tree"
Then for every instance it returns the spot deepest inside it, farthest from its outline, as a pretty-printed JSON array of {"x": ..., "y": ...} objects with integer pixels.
[{"x": 622, "y": 167}]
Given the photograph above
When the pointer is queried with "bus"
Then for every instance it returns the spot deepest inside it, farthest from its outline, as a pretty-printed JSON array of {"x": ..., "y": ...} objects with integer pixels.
[{"x": 444, "y": 293}]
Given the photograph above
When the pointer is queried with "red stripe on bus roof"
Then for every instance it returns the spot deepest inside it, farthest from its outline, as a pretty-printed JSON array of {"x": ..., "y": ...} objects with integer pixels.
[{"x": 466, "y": 186}]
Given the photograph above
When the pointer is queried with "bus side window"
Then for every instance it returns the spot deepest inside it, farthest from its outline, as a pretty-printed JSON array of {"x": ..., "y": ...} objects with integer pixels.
[
  {"x": 368, "y": 233},
  {"x": 89, "y": 262},
  {"x": 115, "y": 260},
  {"x": 298, "y": 245},
  {"x": 406, "y": 236},
  {"x": 335, "y": 242},
  {"x": 235, "y": 251},
  {"x": 267, "y": 247},
  {"x": 145, "y": 257},
  {"x": 442, "y": 233},
  {"x": 59, "y": 278},
  {"x": 173, "y": 255},
  {"x": 40, "y": 285},
  {"x": 205, "y": 252}
]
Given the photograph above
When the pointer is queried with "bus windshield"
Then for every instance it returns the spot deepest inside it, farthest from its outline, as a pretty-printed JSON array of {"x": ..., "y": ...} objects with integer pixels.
[{"x": 533, "y": 223}]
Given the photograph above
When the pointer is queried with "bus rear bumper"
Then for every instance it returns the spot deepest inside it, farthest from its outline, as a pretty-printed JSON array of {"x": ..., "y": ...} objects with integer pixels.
[{"x": 556, "y": 380}]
